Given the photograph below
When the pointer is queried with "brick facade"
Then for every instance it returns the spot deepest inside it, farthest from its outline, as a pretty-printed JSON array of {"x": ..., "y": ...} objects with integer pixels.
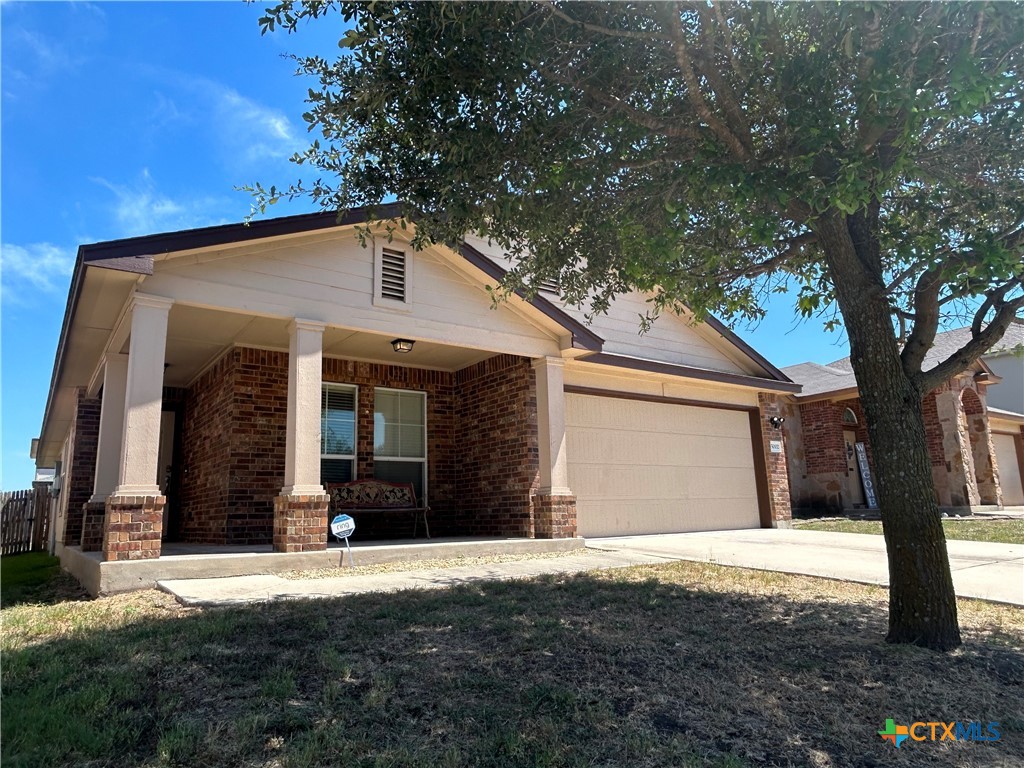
[
  {"x": 300, "y": 523},
  {"x": 775, "y": 463},
  {"x": 206, "y": 437},
  {"x": 95, "y": 513},
  {"x": 499, "y": 456},
  {"x": 80, "y": 474},
  {"x": 133, "y": 527},
  {"x": 554, "y": 516},
  {"x": 482, "y": 467},
  {"x": 956, "y": 429}
]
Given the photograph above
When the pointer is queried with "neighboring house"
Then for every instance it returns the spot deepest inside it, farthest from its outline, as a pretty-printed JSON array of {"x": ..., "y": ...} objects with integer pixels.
[
  {"x": 976, "y": 449},
  {"x": 209, "y": 382}
]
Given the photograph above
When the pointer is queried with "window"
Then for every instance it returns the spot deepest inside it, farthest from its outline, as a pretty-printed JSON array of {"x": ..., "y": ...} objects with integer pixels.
[
  {"x": 400, "y": 438},
  {"x": 337, "y": 433},
  {"x": 392, "y": 275},
  {"x": 849, "y": 417}
]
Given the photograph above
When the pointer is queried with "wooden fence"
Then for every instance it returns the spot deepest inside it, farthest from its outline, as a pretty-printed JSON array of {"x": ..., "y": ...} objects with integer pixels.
[{"x": 24, "y": 520}]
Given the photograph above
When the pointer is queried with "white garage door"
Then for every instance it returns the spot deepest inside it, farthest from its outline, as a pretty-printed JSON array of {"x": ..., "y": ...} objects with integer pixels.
[
  {"x": 1009, "y": 469},
  {"x": 640, "y": 467}
]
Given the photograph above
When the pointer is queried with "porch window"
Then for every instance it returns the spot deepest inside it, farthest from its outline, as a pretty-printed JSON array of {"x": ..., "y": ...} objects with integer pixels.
[
  {"x": 400, "y": 438},
  {"x": 337, "y": 433}
]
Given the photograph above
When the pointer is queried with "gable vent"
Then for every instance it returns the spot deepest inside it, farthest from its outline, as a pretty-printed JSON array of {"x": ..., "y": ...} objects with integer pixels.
[
  {"x": 549, "y": 286},
  {"x": 392, "y": 274}
]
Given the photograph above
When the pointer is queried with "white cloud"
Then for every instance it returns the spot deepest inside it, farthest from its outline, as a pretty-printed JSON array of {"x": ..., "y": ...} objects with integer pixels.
[
  {"x": 140, "y": 209},
  {"x": 248, "y": 133},
  {"x": 36, "y": 267}
]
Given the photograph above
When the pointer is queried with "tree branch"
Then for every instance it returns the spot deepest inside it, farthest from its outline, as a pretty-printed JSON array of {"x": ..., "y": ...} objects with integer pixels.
[
  {"x": 981, "y": 341},
  {"x": 587, "y": 26},
  {"x": 926, "y": 321},
  {"x": 693, "y": 88},
  {"x": 653, "y": 123}
]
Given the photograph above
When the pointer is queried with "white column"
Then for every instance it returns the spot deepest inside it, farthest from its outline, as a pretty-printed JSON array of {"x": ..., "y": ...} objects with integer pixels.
[
  {"x": 143, "y": 403},
  {"x": 108, "y": 448},
  {"x": 554, "y": 468},
  {"x": 302, "y": 451}
]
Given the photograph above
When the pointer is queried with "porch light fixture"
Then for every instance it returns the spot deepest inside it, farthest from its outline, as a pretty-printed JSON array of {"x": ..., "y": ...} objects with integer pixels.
[
  {"x": 776, "y": 421},
  {"x": 402, "y": 345}
]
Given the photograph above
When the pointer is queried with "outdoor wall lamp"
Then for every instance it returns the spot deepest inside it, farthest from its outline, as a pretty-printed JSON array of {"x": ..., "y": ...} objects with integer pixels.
[
  {"x": 776, "y": 421},
  {"x": 402, "y": 345}
]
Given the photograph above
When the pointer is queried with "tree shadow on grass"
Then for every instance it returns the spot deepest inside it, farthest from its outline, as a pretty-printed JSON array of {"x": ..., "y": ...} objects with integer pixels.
[
  {"x": 36, "y": 577},
  {"x": 578, "y": 671}
]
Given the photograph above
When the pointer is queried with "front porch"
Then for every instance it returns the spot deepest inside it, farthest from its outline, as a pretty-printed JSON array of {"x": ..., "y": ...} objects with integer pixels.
[
  {"x": 207, "y": 561},
  {"x": 216, "y": 434}
]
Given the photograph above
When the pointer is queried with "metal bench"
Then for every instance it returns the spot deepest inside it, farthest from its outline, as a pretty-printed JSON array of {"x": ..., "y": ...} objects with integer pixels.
[{"x": 377, "y": 497}]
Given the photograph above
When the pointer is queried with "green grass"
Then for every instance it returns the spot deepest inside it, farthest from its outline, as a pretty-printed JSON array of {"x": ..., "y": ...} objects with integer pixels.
[
  {"x": 685, "y": 664},
  {"x": 34, "y": 577},
  {"x": 1001, "y": 531}
]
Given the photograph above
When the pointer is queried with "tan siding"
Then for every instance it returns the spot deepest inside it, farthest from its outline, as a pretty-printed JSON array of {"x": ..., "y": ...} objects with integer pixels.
[
  {"x": 670, "y": 340},
  {"x": 582, "y": 374},
  {"x": 332, "y": 280},
  {"x": 639, "y": 467},
  {"x": 1009, "y": 469}
]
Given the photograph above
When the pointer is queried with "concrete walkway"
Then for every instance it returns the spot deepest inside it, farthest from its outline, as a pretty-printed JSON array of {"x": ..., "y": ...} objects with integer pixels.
[
  {"x": 980, "y": 569},
  {"x": 989, "y": 571},
  {"x": 235, "y": 590}
]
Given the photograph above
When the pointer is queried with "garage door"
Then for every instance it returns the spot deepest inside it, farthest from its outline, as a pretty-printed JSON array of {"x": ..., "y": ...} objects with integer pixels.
[
  {"x": 1009, "y": 469},
  {"x": 641, "y": 467}
]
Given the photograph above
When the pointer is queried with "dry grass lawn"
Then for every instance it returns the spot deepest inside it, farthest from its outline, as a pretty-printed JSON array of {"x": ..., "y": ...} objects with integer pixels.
[
  {"x": 1000, "y": 531},
  {"x": 684, "y": 664}
]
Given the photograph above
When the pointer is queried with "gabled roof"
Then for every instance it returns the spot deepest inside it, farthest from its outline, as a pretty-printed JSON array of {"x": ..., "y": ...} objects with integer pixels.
[
  {"x": 948, "y": 342},
  {"x": 122, "y": 259},
  {"x": 838, "y": 376},
  {"x": 817, "y": 379}
]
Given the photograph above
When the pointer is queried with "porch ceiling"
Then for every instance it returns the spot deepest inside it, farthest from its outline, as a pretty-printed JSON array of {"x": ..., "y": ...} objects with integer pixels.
[{"x": 196, "y": 337}]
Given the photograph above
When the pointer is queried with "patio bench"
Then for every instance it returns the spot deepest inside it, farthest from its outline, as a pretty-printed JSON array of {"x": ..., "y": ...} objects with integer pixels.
[{"x": 377, "y": 497}]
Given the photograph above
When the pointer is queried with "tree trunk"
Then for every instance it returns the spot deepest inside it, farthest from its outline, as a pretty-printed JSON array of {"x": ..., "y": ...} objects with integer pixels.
[{"x": 922, "y": 603}]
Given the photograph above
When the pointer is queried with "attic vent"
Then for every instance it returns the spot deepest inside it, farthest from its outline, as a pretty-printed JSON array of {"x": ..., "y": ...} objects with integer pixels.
[
  {"x": 548, "y": 286},
  {"x": 392, "y": 274}
]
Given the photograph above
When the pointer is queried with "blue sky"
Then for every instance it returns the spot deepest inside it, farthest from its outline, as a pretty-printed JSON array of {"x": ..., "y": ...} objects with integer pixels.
[{"x": 122, "y": 119}]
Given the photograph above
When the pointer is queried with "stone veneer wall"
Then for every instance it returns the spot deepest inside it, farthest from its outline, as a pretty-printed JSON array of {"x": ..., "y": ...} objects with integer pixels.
[{"x": 81, "y": 474}]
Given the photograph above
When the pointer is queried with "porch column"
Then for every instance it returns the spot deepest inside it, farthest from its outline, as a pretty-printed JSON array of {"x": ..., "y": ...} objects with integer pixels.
[
  {"x": 300, "y": 512},
  {"x": 108, "y": 449},
  {"x": 554, "y": 504},
  {"x": 134, "y": 512}
]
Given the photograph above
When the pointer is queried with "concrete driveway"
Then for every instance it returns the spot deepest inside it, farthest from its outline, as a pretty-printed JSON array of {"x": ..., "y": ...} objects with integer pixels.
[{"x": 980, "y": 569}]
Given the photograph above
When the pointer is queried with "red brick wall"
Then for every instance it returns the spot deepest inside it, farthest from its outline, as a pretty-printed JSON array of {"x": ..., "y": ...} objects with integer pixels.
[
  {"x": 206, "y": 453},
  {"x": 823, "y": 437},
  {"x": 483, "y": 465},
  {"x": 81, "y": 474},
  {"x": 258, "y": 437},
  {"x": 442, "y": 461},
  {"x": 497, "y": 443},
  {"x": 933, "y": 430},
  {"x": 778, "y": 474}
]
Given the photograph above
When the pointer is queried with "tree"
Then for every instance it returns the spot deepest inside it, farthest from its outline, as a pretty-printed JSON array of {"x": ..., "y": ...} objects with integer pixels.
[{"x": 706, "y": 152}]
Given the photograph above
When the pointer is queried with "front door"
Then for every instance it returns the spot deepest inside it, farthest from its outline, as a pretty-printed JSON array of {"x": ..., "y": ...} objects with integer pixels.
[{"x": 853, "y": 487}]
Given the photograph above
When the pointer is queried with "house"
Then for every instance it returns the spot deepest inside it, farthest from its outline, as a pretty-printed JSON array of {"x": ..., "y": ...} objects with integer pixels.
[
  {"x": 976, "y": 449},
  {"x": 209, "y": 382}
]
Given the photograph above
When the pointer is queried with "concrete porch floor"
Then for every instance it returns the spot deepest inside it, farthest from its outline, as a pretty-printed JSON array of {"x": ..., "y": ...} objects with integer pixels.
[{"x": 205, "y": 561}]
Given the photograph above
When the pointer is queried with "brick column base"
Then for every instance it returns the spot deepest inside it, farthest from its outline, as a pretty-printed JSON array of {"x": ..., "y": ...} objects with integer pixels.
[
  {"x": 133, "y": 526},
  {"x": 93, "y": 515},
  {"x": 300, "y": 523},
  {"x": 554, "y": 517}
]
